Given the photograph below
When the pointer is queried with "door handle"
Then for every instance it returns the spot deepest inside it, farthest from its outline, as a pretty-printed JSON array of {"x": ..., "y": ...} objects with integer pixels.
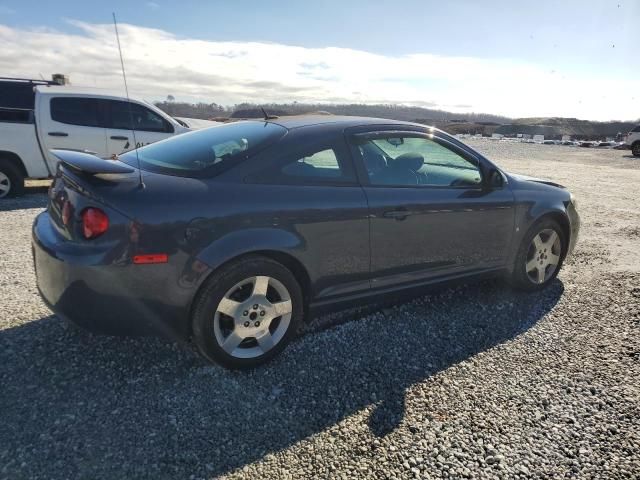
[
  {"x": 119, "y": 137},
  {"x": 58, "y": 134},
  {"x": 399, "y": 214}
]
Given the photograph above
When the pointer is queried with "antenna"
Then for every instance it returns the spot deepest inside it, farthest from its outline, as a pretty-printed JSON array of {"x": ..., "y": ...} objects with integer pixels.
[
  {"x": 126, "y": 89},
  {"x": 267, "y": 116}
]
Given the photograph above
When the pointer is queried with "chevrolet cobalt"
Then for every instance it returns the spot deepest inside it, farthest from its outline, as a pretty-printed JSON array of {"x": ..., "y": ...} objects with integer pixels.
[{"x": 232, "y": 235}]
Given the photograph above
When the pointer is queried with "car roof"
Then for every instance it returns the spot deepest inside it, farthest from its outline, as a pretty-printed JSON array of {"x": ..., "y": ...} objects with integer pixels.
[
  {"x": 338, "y": 121},
  {"x": 86, "y": 91}
]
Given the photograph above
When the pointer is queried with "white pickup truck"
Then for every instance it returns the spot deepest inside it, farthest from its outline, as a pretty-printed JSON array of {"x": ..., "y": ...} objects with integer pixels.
[
  {"x": 633, "y": 141},
  {"x": 38, "y": 116}
]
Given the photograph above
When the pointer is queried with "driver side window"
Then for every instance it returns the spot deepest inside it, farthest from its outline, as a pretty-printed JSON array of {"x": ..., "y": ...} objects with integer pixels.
[
  {"x": 131, "y": 116},
  {"x": 416, "y": 161}
]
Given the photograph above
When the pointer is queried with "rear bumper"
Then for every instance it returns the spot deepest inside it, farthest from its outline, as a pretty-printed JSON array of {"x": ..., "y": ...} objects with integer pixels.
[{"x": 101, "y": 293}]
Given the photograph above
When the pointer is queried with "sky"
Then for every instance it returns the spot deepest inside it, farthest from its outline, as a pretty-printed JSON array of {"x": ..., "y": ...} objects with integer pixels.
[{"x": 514, "y": 58}]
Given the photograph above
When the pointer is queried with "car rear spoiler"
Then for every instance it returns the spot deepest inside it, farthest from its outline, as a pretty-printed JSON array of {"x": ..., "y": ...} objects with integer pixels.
[{"x": 90, "y": 164}]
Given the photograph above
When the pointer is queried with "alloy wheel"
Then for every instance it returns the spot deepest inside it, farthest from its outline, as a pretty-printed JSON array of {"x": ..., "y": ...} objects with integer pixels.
[
  {"x": 252, "y": 317},
  {"x": 5, "y": 185},
  {"x": 543, "y": 256}
]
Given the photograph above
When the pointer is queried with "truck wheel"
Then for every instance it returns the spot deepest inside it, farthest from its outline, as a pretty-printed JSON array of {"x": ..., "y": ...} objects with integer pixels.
[
  {"x": 635, "y": 149},
  {"x": 11, "y": 180}
]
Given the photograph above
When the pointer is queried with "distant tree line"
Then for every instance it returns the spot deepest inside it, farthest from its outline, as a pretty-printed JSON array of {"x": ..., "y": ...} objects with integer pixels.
[
  {"x": 473, "y": 123},
  {"x": 254, "y": 110},
  {"x": 193, "y": 110}
]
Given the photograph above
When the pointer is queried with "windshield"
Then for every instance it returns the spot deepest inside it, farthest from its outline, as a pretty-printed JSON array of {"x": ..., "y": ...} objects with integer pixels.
[{"x": 205, "y": 152}]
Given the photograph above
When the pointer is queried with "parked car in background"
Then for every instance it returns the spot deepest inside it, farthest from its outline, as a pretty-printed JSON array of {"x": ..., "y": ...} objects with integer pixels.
[
  {"x": 633, "y": 141},
  {"x": 36, "y": 116},
  {"x": 237, "y": 232},
  {"x": 196, "y": 123}
]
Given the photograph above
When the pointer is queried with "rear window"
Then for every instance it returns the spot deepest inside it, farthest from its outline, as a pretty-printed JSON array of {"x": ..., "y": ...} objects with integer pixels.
[
  {"x": 637, "y": 129},
  {"x": 205, "y": 152},
  {"x": 76, "y": 111}
]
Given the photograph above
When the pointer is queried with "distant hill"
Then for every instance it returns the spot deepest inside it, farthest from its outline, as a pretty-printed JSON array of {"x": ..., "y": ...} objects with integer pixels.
[
  {"x": 483, "y": 123},
  {"x": 252, "y": 110}
]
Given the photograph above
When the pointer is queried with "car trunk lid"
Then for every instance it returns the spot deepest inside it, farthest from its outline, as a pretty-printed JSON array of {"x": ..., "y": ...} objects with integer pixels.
[{"x": 82, "y": 181}]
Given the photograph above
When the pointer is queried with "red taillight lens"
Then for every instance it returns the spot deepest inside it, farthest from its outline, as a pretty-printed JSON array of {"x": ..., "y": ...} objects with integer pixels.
[{"x": 94, "y": 222}]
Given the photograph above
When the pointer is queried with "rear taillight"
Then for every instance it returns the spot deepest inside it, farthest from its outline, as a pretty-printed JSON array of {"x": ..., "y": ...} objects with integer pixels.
[
  {"x": 66, "y": 213},
  {"x": 94, "y": 222}
]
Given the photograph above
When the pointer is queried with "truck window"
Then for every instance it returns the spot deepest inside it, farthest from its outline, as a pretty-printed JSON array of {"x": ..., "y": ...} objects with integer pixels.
[
  {"x": 123, "y": 114},
  {"x": 76, "y": 111},
  {"x": 17, "y": 95}
]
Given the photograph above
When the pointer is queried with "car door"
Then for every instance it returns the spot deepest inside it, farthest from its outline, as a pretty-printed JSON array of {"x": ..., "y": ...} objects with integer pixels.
[
  {"x": 127, "y": 120},
  {"x": 432, "y": 214},
  {"x": 313, "y": 188},
  {"x": 71, "y": 122}
]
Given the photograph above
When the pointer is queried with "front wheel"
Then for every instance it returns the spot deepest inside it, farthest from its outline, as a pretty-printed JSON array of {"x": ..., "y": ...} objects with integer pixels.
[
  {"x": 247, "y": 313},
  {"x": 540, "y": 256},
  {"x": 635, "y": 149}
]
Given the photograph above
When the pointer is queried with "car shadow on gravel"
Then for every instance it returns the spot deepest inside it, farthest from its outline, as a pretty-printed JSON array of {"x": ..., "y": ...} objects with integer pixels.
[
  {"x": 36, "y": 197},
  {"x": 77, "y": 405}
]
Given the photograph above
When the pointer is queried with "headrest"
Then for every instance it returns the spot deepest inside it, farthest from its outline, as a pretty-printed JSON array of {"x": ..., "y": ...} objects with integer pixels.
[
  {"x": 374, "y": 161},
  {"x": 410, "y": 161}
]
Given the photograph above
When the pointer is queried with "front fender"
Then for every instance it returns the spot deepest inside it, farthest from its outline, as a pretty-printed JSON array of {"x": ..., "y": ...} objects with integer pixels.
[{"x": 528, "y": 213}]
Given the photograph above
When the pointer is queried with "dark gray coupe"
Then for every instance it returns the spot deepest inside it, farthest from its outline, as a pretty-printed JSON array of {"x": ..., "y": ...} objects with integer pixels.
[{"x": 230, "y": 236}]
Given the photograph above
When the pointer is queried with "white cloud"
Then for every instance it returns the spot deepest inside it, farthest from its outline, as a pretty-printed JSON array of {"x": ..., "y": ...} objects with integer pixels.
[
  {"x": 152, "y": 5},
  {"x": 159, "y": 63}
]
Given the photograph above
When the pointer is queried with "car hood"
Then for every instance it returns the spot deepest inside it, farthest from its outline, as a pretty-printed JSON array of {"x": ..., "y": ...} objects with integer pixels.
[{"x": 527, "y": 178}]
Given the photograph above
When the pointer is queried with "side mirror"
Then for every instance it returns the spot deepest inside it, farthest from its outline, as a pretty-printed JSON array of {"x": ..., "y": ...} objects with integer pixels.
[{"x": 493, "y": 178}]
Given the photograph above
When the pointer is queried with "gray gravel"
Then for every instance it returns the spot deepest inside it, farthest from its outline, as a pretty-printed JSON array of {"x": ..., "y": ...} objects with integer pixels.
[{"x": 473, "y": 382}]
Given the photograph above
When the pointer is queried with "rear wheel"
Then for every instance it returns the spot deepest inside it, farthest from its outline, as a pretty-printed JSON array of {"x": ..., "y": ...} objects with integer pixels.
[
  {"x": 247, "y": 313},
  {"x": 635, "y": 149},
  {"x": 11, "y": 180},
  {"x": 540, "y": 256}
]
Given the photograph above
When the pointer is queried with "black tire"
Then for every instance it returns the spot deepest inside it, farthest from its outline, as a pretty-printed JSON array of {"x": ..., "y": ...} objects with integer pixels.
[
  {"x": 519, "y": 277},
  {"x": 14, "y": 179},
  {"x": 213, "y": 291},
  {"x": 635, "y": 149}
]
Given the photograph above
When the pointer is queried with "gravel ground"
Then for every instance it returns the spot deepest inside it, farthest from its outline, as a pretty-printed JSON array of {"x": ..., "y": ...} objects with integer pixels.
[{"x": 472, "y": 382}]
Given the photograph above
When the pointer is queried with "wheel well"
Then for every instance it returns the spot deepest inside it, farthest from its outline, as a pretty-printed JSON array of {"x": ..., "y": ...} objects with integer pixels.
[
  {"x": 289, "y": 261},
  {"x": 15, "y": 160},
  {"x": 294, "y": 265},
  {"x": 564, "y": 224}
]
